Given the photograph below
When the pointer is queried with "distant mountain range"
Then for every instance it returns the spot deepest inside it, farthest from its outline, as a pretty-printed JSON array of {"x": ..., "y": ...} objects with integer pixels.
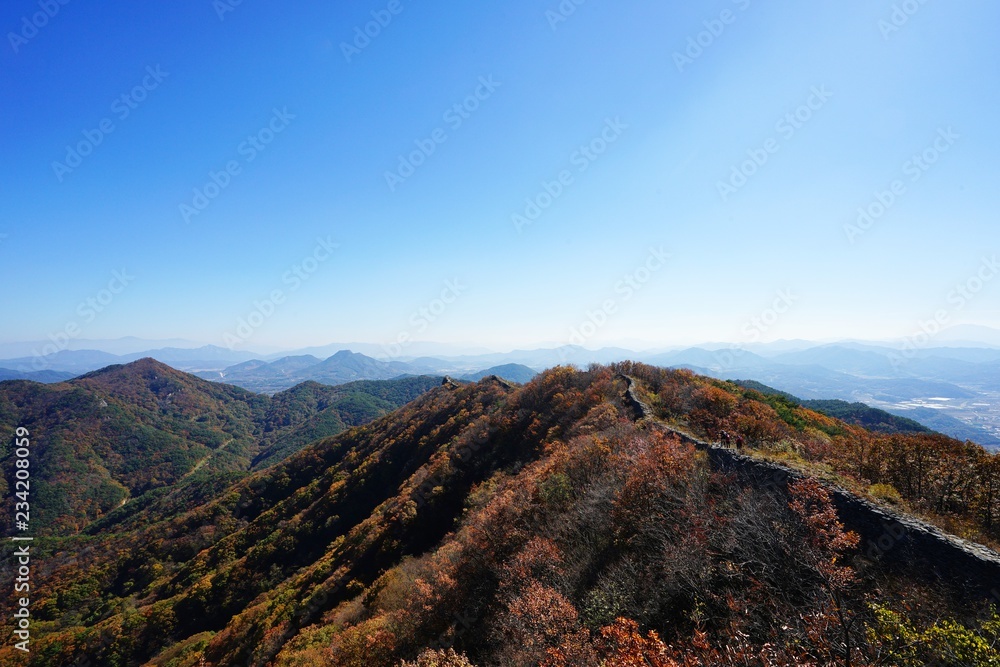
[
  {"x": 955, "y": 390},
  {"x": 38, "y": 376},
  {"x": 345, "y": 366},
  {"x": 263, "y": 376},
  {"x": 83, "y": 361}
]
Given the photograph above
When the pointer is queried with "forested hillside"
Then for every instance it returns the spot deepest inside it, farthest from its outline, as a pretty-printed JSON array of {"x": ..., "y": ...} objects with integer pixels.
[
  {"x": 112, "y": 436},
  {"x": 491, "y": 524},
  {"x": 859, "y": 414}
]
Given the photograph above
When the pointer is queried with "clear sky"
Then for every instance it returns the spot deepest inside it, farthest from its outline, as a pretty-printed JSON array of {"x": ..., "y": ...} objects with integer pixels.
[{"x": 318, "y": 127}]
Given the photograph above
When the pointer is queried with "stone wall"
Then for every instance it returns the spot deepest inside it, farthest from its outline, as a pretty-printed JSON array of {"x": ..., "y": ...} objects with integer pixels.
[{"x": 889, "y": 538}]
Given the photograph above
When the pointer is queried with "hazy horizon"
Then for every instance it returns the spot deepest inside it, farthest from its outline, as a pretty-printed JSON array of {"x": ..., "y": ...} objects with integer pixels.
[{"x": 960, "y": 336}]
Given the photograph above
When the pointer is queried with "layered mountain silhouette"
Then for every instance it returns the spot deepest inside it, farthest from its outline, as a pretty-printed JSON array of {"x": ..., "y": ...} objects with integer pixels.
[
  {"x": 344, "y": 366},
  {"x": 906, "y": 382},
  {"x": 37, "y": 376}
]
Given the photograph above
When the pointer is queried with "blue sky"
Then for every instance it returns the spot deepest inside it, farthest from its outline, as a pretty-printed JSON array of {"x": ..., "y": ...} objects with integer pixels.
[{"x": 554, "y": 84}]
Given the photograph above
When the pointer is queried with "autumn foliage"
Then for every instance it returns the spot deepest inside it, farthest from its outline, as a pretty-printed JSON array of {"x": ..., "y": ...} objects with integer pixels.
[{"x": 536, "y": 525}]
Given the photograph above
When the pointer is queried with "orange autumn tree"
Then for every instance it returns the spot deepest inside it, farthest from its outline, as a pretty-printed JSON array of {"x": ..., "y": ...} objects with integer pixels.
[{"x": 622, "y": 645}]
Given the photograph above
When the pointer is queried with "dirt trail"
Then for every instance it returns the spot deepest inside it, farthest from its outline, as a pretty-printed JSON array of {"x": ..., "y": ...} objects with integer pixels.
[{"x": 204, "y": 460}]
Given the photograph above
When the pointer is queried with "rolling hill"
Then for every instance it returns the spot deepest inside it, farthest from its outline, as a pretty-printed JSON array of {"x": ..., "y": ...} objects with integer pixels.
[{"x": 111, "y": 436}]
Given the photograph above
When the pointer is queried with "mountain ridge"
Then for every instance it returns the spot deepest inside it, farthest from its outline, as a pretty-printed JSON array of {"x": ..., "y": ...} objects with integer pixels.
[{"x": 543, "y": 513}]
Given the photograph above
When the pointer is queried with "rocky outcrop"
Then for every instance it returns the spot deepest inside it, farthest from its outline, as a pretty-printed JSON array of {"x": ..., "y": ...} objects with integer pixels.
[{"x": 499, "y": 380}]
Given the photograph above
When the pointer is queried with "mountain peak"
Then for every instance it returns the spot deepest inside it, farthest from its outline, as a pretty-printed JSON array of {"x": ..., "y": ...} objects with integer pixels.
[
  {"x": 143, "y": 366},
  {"x": 147, "y": 382}
]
